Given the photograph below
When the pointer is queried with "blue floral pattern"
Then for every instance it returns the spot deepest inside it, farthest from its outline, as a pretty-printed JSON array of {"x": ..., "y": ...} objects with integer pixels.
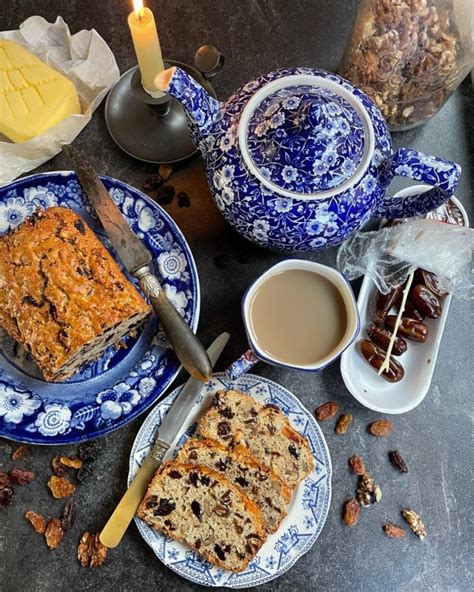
[
  {"x": 288, "y": 154},
  {"x": 308, "y": 510},
  {"x": 124, "y": 382}
]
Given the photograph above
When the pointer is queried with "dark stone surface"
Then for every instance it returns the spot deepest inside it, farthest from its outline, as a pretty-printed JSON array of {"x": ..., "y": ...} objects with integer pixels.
[{"x": 435, "y": 438}]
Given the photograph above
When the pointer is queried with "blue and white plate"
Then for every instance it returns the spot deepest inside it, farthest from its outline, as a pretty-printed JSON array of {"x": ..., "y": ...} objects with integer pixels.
[
  {"x": 308, "y": 510},
  {"x": 115, "y": 389}
]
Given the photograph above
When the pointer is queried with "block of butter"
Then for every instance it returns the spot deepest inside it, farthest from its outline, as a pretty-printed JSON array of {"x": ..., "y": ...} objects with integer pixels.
[{"x": 33, "y": 96}]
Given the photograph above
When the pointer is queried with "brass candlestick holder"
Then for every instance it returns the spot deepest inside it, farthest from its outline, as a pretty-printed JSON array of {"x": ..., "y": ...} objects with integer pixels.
[{"x": 155, "y": 129}]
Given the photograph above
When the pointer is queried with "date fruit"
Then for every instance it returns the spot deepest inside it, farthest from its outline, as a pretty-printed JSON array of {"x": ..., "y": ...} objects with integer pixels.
[
  {"x": 375, "y": 357},
  {"x": 357, "y": 465},
  {"x": 381, "y": 304},
  {"x": 382, "y": 336},
  {"x": 409, "y": 328},
  {"x": 380, "y": 428},
  {"x": 343, "y": 423},
  {"x": 411, "y": 311},
  {"x": 394, "y": 531},
  {"x": 326, "y": 411},
  {"x": 431, "y": 282},
  {"x": 350, "y": 512},
  {"x": 425, "y": 301}
]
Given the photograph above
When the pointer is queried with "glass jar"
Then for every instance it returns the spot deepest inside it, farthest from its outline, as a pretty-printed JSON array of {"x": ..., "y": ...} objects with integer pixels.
[{"x": 410, "y": 55}]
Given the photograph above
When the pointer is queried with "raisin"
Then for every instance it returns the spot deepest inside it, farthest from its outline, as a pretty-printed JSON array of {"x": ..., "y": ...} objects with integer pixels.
[
  {"x": 292, "y": 450},
  {"x": 84, "y": 473},
  {"x": 351, "y": 512},
  {"x": 165, "y": 507},
  {"x": 221, "y": 465},
  {"x": 73, "y": 462},
  {"x": 37, "y": 521},
  {"x": 166, "y": 171},
  {"x": 20, "y": 452},
  {"x": 153, "y": 182},
  {"x": 205, "y": 480},
  {"x": 397, "y": 461},
  {"x": 193, "y": 477},
  {"x": 54, "y": 533},
  {"x": 79, "y": 225},
  {"x": 219, "y": 552},
  {"x": 197, "y": 544},
  {"x": 193, "y": 455},
  {"x": 242, "y": 482},
  {"x": 20, "y": 477},
  {"x": 88, "y": 451},
  {"x": 169, "y": 525},
  {"x": 175, "y": 474},
  {"x": 164, "y": 195},
  {"x": 68, "y": 515},
  {"x": 223, "y": 428},
  {"x": 183, "y": 200},
  {"x": 196, "y": 508},
  {"x": 326, "y": 410},
  {"x": 152, "y": 501},
  {"x": 221, "y": 511},
  {"x": 271, "y": 406},
  {"x": 226, "y": 412},
  {"x": 4, "y": 479},
  {"x": 61, "y": 487},
  {"x": 6, "y": 496},
  {"x": 222, "y": 261}
]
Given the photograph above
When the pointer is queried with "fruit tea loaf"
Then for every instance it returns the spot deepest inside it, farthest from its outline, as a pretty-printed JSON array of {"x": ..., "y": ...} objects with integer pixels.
[
  {"x": 200, "y": 507},
  {"x": 235, "y": 418},
  {"x": 61, "y": 293},
  {"x": 258, "y": 482}
]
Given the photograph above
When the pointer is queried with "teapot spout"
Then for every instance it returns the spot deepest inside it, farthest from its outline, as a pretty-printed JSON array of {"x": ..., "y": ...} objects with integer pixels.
[{"x": 201, "y": 109}]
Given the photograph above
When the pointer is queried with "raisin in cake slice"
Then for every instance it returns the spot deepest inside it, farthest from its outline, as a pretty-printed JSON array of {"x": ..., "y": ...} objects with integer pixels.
[
  {"x": 200, "y": 507},
  {"x": 235, "y": 418},
  {"x": 258, "y": 482}
]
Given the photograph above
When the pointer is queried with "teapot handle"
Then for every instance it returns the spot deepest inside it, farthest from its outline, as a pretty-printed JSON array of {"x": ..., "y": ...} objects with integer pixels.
[{"x": 442, "y": 175}]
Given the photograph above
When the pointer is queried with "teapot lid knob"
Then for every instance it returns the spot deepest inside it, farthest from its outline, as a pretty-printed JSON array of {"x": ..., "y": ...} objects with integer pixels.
[{"x": 208, "y": 60}]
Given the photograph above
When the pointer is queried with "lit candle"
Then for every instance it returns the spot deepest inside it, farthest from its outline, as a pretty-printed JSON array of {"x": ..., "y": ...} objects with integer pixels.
[{"x": 147, "y": 45}]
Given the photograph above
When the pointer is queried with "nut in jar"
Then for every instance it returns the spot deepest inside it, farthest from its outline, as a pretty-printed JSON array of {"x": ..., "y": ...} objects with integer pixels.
[{"x": 409, "y": 55}]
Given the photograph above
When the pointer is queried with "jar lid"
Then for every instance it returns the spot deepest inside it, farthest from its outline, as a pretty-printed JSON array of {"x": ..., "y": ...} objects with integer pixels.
[{"x": 305, "y": 138}]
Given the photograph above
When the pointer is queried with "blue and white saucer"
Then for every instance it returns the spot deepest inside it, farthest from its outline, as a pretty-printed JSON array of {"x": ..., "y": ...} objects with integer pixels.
[
  {"x": 308, "y": 510},
  {"x": 115, "y": 389}
]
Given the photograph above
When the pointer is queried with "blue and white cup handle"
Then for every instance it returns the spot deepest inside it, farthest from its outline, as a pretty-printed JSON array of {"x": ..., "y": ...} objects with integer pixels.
[
  {"x": 442, "y": 175},
  {"x": 241, "y": 365}
]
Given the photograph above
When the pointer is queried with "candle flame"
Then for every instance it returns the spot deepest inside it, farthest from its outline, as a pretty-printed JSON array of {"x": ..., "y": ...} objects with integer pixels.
[{"x": 138, "y": 8}]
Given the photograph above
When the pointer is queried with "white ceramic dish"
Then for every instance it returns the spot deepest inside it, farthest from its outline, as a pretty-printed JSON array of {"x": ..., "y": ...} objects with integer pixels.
[{"x": 419, "y": 361}]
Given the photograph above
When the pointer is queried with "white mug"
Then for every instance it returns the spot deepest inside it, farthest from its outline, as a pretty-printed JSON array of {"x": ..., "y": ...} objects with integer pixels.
[{"x": 255, "y": 354}]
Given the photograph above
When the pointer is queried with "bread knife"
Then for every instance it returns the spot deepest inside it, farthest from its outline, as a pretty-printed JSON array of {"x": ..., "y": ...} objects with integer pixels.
[
  {"x": 136, "y": 258},
  {"x": 169, "y": 429}
]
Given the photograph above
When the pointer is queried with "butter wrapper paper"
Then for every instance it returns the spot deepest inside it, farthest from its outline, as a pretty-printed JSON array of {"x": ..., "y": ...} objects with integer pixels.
[{"x": 86, "y": 59}]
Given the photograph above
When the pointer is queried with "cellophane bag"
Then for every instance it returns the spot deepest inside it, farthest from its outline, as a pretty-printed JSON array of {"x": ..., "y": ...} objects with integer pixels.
[{"x": 390, "y": 254}]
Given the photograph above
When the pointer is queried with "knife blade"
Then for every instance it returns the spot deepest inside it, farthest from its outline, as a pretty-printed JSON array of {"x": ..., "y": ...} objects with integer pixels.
[
  {"x": 137, "y": 258},
  {"x": 169, "y": 430}
]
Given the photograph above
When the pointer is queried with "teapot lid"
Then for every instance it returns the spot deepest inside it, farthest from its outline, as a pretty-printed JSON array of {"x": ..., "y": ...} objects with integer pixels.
[{"x": 306, "y": 135}]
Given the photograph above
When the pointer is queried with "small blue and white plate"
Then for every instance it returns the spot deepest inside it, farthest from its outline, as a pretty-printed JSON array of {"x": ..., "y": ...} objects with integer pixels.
[
  {"x": 309, "y": 506},
  {"x": 115, "y": 389}
]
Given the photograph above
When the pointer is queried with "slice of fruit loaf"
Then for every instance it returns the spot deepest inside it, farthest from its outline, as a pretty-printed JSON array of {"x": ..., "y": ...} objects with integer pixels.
[
  {"x": 257, "y": 481},
  {"x": 200, "y": 507},
  {"x": 235, "y": 418}
]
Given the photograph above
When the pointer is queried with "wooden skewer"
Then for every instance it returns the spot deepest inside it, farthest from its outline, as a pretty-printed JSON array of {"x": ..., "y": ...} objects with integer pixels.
[{"x": 386, "y": 362}]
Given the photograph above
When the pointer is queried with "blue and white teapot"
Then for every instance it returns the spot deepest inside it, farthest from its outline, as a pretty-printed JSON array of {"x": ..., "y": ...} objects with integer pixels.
[{"x": 300, "y": 159}]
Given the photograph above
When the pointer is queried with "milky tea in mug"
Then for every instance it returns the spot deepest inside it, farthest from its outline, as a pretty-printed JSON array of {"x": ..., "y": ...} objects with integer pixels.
[{"x": 298, "y": 317}]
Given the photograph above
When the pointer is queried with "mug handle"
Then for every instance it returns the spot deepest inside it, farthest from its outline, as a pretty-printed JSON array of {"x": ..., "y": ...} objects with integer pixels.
[
  {"x": 443, "y": 175},
  {"x": 242, "y": 365}
]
